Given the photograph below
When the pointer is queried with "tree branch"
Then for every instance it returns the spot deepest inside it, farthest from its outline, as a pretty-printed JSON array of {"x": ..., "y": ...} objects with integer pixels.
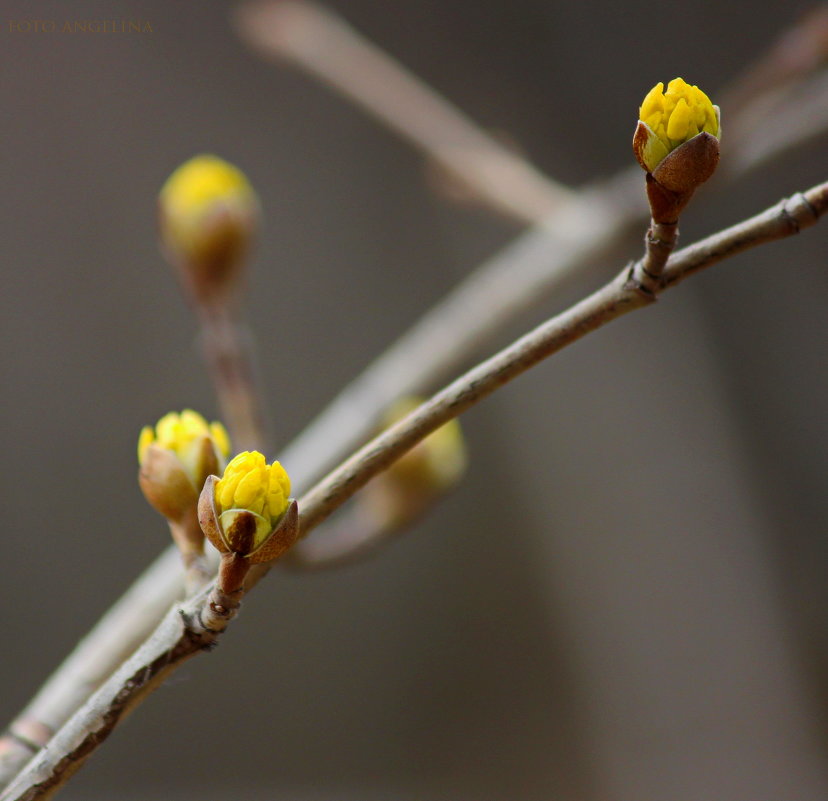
[
  {"x": 322, "y": 43},
  {"x": 620, "y": 296},
  {"x": 176, "y": 640},
  {"x": 119, "y": 632}
]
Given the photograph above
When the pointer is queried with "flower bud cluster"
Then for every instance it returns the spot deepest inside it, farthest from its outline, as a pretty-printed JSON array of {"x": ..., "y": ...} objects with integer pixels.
[{"x": 672, "y": 118}]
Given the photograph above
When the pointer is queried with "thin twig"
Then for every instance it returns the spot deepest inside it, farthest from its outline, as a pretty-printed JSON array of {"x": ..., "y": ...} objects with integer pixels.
[
  {"x": 322, "y": 43},
  {"x": 659, "y": 243},
  {"x": 229, "y": 355},
  {"x": 616, "y": 298},
  {"x": 448, "y": 335},
  {"x": 176, "y": 639},
  {"x": 121, "y": 630},
  {"x": 778, "y": 123}
]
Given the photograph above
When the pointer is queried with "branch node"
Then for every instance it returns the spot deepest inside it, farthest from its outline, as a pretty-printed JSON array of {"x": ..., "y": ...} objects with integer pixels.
[
  {"x": 643, "y": 282},
  {"x": 799, "y": 212}
]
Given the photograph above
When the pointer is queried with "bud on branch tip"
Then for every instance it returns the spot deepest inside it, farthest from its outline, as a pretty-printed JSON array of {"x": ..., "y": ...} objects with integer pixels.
[
  {"x": 208, "y": 214},
  {"x": 249, "y": 512},
  {"x": 677, "y": 143}
]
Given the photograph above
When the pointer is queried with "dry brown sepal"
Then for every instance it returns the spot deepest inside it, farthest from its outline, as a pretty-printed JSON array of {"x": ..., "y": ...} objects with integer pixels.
[
  {"x": 170, "y": 491},
  {"x": 672, "y": 183}
]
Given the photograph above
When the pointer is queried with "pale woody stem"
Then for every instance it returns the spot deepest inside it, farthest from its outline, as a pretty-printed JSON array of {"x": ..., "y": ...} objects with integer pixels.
[
  {"x": 122, "y": 629},
  {"x": 659, "y": 243}
]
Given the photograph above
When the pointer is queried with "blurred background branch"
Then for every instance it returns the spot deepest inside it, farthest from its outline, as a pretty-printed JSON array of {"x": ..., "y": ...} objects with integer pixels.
[{"x": 312, "y": 37}]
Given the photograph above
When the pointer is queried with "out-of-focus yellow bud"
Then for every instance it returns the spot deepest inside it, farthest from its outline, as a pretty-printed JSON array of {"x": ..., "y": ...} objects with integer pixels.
[
  {"x": 249, "y": 511},
  {"x": 677, "y": 143},
  {"x": 414, "y": 482},
  {"x": 208, "y": 214},
  {"x": 436, "y": 463}
]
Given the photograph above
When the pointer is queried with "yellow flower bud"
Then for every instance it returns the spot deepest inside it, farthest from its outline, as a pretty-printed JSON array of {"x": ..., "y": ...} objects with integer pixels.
[
  {"x": 208, "y": 214},
  {"x": 249, "y": 511},
  {"x": 201, "y": 448},
  {"x": 176, "y": 457},
  {"x": 670, "y": 119},
  {"x": 677, "y": 142}
]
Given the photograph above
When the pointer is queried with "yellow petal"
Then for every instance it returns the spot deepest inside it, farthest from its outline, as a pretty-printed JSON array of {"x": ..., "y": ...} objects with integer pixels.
[
  {"x": 257, "y": 505},
  {"x": 247, "y": 489},
  {"x": 678, "y": 86},
  {"x": 225, "y": 491},
  {"x": 167, "y": 429},
  {"x": 679, "y": 121},
  {"x": 653, "y": 102},
  {"x": 145, "y": 439},
  {"x": 279, "y": 476}
]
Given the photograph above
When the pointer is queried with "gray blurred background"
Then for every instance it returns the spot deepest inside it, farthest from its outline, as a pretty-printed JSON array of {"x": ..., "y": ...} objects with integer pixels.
[{"x": 626, "y": 599}]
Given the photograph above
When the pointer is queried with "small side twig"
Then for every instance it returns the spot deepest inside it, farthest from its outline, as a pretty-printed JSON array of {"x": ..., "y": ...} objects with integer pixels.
[{"x": 229, "y": 355}]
